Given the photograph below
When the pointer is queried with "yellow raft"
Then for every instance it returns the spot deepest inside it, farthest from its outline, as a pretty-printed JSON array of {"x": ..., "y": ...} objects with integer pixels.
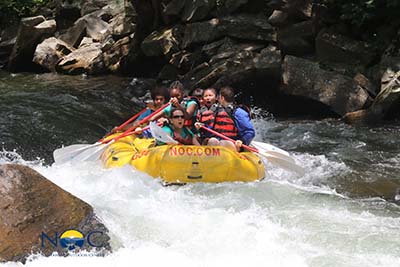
[{"x": 184, "y": 164}]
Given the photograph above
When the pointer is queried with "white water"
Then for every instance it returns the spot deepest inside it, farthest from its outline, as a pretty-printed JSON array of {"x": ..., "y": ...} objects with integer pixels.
[{"x": 283, "y": 220}]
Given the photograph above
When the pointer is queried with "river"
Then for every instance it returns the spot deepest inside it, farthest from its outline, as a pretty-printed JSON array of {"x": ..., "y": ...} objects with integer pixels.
[{"x": 340, "y": 213}]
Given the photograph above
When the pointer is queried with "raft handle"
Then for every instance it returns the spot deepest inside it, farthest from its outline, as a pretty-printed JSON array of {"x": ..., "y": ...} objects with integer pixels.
[{"x": 195, "y": 177}]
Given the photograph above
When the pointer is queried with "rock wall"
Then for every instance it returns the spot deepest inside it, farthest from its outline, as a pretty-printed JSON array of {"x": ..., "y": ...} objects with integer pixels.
[{"x": 277, "y": 52}]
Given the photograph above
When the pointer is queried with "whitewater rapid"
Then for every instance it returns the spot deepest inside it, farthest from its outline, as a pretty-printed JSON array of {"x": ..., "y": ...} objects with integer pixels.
[{"x": 283, "y": 220}]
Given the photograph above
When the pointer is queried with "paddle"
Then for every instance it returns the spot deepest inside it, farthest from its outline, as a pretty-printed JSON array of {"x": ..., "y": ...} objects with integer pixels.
[
  {"x": 128, "y": 121},
  {"x": 274, "y": 155},
  {"x": 158, "y": 133},
  {"x": 88, "y": 152}
]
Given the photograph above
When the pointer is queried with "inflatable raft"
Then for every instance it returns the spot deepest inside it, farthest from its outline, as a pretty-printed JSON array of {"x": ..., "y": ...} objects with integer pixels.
[{"x": 184, "y": 164}]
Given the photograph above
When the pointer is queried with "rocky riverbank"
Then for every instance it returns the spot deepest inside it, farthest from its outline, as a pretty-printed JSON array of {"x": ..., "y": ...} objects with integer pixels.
[{"x": 287, "y": 55}]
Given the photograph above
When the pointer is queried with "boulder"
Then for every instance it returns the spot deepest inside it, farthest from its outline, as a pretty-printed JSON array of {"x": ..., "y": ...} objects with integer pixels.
[
  {"x": 67, "y": 12},
  {"x": 185, "y": 60},
  {"x": 197, "y": 10},
  {"x": 115, "y": 54},
  {"x": 74, "y": 35},
  {"x": 174, "y": 7},
  {"x": 96, "y": 28},
  {"x": 300, "y": 9},
  {"x": 5, "y": 50},
  {"x": 278, "y": 18},
  {"x": 306, "y": 79},
  {"x": 297, "y": 39},
  {"x": 234, "y": 67},
  {"x": 122, "y": 25},
  {"x": 386, "y": 103},
  {"x": 334, "y": 47},
  {"x": 89, "y": 6},
  {"x": 31, "y": 206},
  {"x": 91, "y": 26},
  {"x": 86, "y": 59},
  {"x": 30, "y": 33},
  {"x": 246, "y": 27},
  {"x": 162, "y": 42},
  {"x": 50, "y": 51},
  {"x": 227, "y": 7}
]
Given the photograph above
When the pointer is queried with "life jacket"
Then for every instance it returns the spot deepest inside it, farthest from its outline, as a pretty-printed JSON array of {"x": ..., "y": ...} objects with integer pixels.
[
  {"x": 224, "y": 122},
  {"x": 188, "y": 140},
  {"x": 207, "y": 115},
  {"x": 190, "y": 122}
]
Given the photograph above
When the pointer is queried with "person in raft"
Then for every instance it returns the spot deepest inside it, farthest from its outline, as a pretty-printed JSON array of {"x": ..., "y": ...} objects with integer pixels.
[
  {"x": 197, "y": 94},
  {"x": 178, "y": 100},
  {"x": 230, "y": 120},
  {"x": 159, "y": 96},
  {"x": 206, "y": 113},
  {"x": 177, "y": 130}
]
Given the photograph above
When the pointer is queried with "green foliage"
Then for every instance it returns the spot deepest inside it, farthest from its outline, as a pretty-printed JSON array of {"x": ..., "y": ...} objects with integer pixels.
[
  {"x": 20, "y": 8},
  {"x": 364, "y": 13}
]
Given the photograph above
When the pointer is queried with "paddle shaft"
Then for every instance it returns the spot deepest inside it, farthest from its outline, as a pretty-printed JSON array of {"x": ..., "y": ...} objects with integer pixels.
[
  {"x": 132, "y": 132},
  {"x": 229, "y": 139},
  {"x": 130, "y": 129},
  {"x": 130, "y": 120}
]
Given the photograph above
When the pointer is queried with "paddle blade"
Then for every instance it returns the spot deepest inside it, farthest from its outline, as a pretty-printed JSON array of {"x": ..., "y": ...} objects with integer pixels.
[
  {"x": 78, "y": 152},
  {"x": 159, "y": 134},
  {"x": 268, "y": 147},
  {"x": 283, "y": 163}
]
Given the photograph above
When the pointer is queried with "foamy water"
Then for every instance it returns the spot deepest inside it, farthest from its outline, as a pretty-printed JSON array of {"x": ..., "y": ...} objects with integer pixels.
[{"x": 283, "y": 220}]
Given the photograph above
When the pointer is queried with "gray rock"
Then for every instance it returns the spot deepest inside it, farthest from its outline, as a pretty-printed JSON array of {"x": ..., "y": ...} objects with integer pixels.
[
  {"x": 122, "y": 26},
  {"x": 163, "y": 42},
  {"x": 30, "y": 206},
  {"x": 334, "y": 47},
  {"x": 245, "y": 27},
  {"x": 304, "y": 78},
  {"x": 30, "y": 33},
  {"x": 89, "y": 6},
  {"x": 116, "y": 53},
  {"x": 49, "y": 52},
  {"x": 87, "y": 59},
  {"x": 230, "y": 67},
  {"x": 74, "y": 35},
  {"x": 297, "y": 39}
]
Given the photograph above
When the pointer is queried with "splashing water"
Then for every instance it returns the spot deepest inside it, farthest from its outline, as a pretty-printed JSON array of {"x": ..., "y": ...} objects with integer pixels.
[{"x": 284, "y": 220}]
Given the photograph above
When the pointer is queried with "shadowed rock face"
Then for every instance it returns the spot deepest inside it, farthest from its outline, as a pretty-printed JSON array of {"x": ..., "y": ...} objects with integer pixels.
[{"x": 31, "y": 205}]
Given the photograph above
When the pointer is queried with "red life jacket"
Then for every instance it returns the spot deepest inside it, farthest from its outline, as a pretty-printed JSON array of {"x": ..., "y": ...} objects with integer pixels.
[
  {"x": 207, "y": 115},
  {"x": 224, "y": 122}
]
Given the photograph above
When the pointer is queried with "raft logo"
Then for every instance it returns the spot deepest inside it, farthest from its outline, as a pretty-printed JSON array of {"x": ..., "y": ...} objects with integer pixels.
[
  {"x": 71, "y": 239},
  {"x": 194, "y": 151}
]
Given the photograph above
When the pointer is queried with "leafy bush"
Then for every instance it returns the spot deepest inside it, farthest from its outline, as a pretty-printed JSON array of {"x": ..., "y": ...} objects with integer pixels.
[
  {"x": 365, "y": 13},
  {"x": 19, "y": 8}
]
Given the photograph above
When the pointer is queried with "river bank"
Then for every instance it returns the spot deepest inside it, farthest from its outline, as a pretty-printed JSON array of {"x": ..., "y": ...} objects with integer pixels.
[{"x": 296, "y": 58}]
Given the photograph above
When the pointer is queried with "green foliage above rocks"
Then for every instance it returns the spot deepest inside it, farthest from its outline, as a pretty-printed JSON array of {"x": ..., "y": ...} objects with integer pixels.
[
  {"x": 12, "y": 9},
  {"x": 363, "y": 14}
]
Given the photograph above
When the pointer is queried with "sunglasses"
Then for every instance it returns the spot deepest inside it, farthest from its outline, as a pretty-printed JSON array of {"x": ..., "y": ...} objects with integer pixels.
[{"x": 178, "y": 117}]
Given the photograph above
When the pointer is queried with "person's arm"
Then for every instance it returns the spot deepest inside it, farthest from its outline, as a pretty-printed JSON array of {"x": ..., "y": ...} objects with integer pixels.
[
  {"x": 195, "y": 140},
  {"x": 244, "y": 126},
  {"x": 163, "y": 113},
  {"x": 190, "y": 110}
]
